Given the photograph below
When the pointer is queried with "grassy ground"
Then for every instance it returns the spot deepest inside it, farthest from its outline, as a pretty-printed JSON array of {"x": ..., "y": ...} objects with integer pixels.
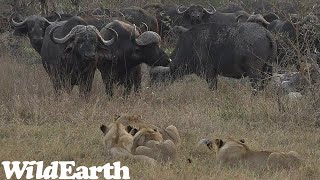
[{"x": 36, "y": 126}]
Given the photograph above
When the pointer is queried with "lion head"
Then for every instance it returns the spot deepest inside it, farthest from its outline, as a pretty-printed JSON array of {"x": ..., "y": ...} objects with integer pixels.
[
  {"x": 235, "y": 152},
  {"x": 116, "y": 139}
]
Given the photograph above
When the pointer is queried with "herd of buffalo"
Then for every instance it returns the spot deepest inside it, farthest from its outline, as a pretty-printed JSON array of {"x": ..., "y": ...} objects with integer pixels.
[{"x": 232, "y": 41}]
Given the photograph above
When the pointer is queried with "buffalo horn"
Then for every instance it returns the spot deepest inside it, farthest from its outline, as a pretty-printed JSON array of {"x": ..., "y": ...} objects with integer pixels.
[
  {"x": 181, "y": 12},
  {"x": 106, "y": 42},
  {"x": 17, "y": 24},
  {"x": 212, "y": 11},
  {"x": 75, "y": 30},
  {"x": 148, "y": 37}
]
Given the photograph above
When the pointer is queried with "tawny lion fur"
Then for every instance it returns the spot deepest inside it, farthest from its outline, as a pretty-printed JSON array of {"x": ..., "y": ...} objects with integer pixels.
[
  {"x": 149, "y": 142},
  {"x": 234, "y": 152},
  {"x": 119, "y": 143},
  {"x": 136, "y": 123},
  {"x": 161, "y": 151}
]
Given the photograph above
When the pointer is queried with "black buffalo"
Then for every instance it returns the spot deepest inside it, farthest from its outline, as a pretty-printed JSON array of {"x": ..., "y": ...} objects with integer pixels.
[
  {"x": 231, "y": 50},
  {"x": 70, "y": 53},
  {"x": 283, "y": 26},
  {"x": 167, "y": 17},
  {"x": 196, "y": 14},
  {"x": 230, "y": 8},
  {"x": 140, "y": 17},
  {"x": 34, "y": 26},
  {"x": 130, "y": 50}
]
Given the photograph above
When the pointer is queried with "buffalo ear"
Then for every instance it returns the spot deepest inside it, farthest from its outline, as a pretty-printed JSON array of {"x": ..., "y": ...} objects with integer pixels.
[
  {"x": 218, "y": 142},
  {"x": 46, "y": 24},
  {"x": 21, "y": 31},
  {"x": 104, "y": 129},
  {"x": 241, "y": 18},
  {"x": 69, "y": 48}
]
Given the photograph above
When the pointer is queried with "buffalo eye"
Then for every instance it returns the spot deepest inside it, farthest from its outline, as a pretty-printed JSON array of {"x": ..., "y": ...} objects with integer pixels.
[{"x": 138, "y": 49}]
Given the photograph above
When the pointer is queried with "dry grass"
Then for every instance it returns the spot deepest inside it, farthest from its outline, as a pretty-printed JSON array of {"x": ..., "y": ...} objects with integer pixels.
[{"x": 36, "y": 126}]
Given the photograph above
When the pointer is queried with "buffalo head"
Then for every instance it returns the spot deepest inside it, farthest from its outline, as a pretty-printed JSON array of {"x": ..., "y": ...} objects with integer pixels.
[
  {"x": 34, "y": 26},
  {"x": 196, "y": 14},
  {"x": 147, "y": 49},
  {"x": 83, "y": 41}
]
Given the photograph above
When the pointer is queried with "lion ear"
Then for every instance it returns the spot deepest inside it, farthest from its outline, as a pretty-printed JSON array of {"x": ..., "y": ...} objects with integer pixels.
[
  {"x": 218, "y": 142},
  {"x": 129, "y": 128},
  {"x": 104, "y": 129},
  {"x": 133, "y": 131},
  {"x": 116, "y": 117},
  {"x": 135, "y": 117},
  {"x": 242, "y": 140}
]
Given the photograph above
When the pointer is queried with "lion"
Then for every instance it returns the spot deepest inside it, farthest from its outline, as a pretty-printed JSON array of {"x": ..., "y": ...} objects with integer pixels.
[
  {"x": 143, "y": 136},
  {"x": 117, "y": 140},
  {"x": 119, "y": 143},
  {"x": 171, "y": 133},
  {"x": 149, "y": 142},
  {"x": 165, "y": 151},
  {"x": 134, "y": 123},
  {"x": 233, "y": 152}
]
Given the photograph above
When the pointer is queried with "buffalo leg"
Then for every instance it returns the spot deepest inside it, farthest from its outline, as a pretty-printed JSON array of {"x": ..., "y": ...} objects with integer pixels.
[
  {"x": 57, "y": 85},
  {"x": 86, "y": 82},
  {"x": 108, "y": 82},
  {"x": 256, "y": 80},
  {"x": 259, "y": 78},
  {"x": 128, "y": 84},
  {"x": 136, "y": 77},
  {"x": 211, "y": 77},
  {"x": 107, "y": 77},
  {"x": 213, "y": 83}
]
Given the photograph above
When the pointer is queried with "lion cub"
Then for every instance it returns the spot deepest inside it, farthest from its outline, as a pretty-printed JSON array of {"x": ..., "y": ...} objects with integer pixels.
[
  {"x": 119, "y": 143},
  {"x": 117, "y": 140},
  {"x": 150, "y": 143},
  {"x": 134, "y": 123},
  {"x": 233, "y": 152}
]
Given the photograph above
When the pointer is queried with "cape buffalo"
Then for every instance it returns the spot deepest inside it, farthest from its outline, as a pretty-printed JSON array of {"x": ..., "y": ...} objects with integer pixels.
[
  {"x": 196, "y": 14},
  {"x": 70, "y": 53},
  {"x": 139, "y": 16},
  {"x": 34, "y": 26},
  {"x": 231, "y": 50},
  {"x": 285, "y": 27},
  {"x": 130, "y": 50},
  {"x": 166, "y": 15},
  {"x": 230, "y": 8}
]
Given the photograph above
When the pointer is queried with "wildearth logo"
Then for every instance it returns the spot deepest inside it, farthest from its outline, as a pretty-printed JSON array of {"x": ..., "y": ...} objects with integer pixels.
[{"x": 62, "y": 170}]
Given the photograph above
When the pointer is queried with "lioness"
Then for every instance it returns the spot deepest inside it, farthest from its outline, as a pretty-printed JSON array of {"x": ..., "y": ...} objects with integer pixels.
[
  {"x": 161, "y": 151},
  {"x": 119, "y": 142},
  {"x": 233, "y": 152},
  {"x": 134, "y": 123},
  {"x": 149, "y": 142},
  {"x": 144, "y": 135}
]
